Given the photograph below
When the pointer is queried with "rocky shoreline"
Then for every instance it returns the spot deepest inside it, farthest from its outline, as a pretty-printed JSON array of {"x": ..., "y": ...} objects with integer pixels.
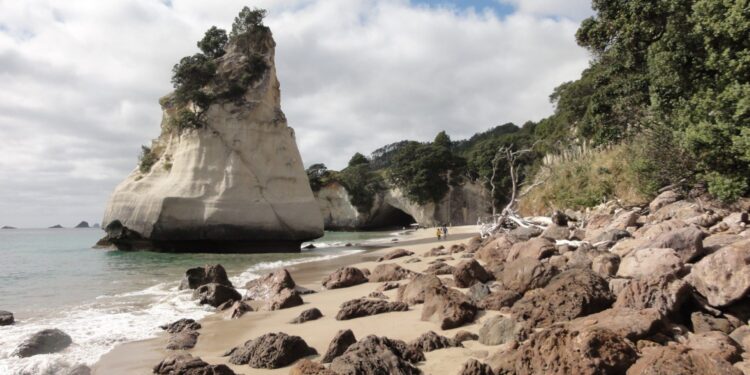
[{"x": 658, "y": 289}]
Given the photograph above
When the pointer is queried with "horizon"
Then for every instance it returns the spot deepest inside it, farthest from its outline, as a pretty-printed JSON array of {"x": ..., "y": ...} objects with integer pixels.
[{"x": 82, "y": 96}]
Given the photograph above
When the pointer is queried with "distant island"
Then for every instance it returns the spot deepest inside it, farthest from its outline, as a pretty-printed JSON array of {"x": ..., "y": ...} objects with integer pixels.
[
  {"x": 83, "y": 224},
  {"x": 8, "y": 227},
  {"x": 57, "y": 226}
]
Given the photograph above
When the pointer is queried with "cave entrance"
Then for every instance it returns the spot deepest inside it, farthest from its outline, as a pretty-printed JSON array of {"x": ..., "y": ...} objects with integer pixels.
[{"x": 390, "y": 217}]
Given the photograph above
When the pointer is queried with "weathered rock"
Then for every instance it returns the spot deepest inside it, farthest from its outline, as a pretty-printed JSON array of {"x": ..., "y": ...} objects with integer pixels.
[
  {"x": 478, "y": 291},
  {"x": 268, "y": 286},
  {"x": 522, "y": 275},
  {"x": 412, "y": 260},
  {"x": 376, "y": 294},
  {"x": 358, "y": 308},
  {"x": 605, "y": 265},
  {"x": 679, "y": 360},
  {"x": 715, "y": 242},
  {"x": 525, "y": 234},
  {"x": 616, "y": 285},
  {"x": 448, "y": 307},
  {"x": 43, "y": 342},
  {"x": 439, "y": 268},
  {"x": 496, "y": 250},
  {"x": 499, "y": 299},
  {"x": 186, "y": 364},
  {"x": 238, "y": 309},
  {"x": 389, "y": 272},
  {"x": 687, "y": 242},
  {"x": 183, "y": 340},
  {"x": 724, "y": 276},
  {"x": 682, "y": 210},
  {"x": 741, "y": 335},
  {"x": 556, "y": 232},
  {"x": 704, "y": 323},
  {"x": 474, "y": 367},
  {"x": 414, "y": 292},
  {"x": 430, "y": 341},
  {"x": 665, "y": 293},
  {"x": 663, "y": 199},
  {"x": 629, "y": 323},
  {"x": 207, "y": 274},
  {"x": 342, "y": 341},
  {"x": 377, "y": 355},
  {"x": 715, "y": 344},
  {"x": 462, "y": 336},
  {"x": 283, "y": 300},
  {"x": 469, "y": 272},
  {"x": 569, "y": 295},
  {"x": 308, "y": 367},
  {"x": 535, "y": 248},
  {"x": 651, "y": 231},
  {"x": 245, "y": 153},
  {"x": 649, "y": 262},
  {"x": 216, "y": 294},
  {"x": 436, "y": 252},
  {"x": 344, "y": 277},
  {"x": 272, "y": 350},
  {"x": 609, "y": 237},
  {"x": 181, "y": 325},
  {"x": 387, "y": 286},
  {"x": 559, "y": 351},
  {"x": 398, "y": 253},
  {"x": 499, "y": 330},
  {"x": 307, "y": 315},
  {"x": 6, "y": 318},
  {"x": 474, "y": 244}
]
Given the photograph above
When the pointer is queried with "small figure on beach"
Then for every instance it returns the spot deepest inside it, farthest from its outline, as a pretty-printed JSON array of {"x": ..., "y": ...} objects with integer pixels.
[
  {"x": 444, "y": 229},
  {"x": 439, "y": 233}
]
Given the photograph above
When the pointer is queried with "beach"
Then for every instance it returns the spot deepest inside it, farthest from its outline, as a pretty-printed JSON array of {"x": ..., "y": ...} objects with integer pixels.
[{"x": 219, "y": 333}]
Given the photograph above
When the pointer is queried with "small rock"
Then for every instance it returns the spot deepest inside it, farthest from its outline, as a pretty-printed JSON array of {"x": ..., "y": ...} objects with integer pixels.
[
  {"x": 79, "y": 370},
  {"x": 342, "y": 341},
  {"x": 474, "y": 367},
  {"x": 272, "y": 350},
  {"x": 208, "y": 274},
  {"x": 469, "y": 272},
  {"x": 398, "y": 253},
  {"x": 181, "y": 325},
  {"x": 413, "y": 292},
  {"x": 238, "y": 309},
  {"x": 308, "y": 367},
  {"x": 390, "y": 272},
  {"x": 499, "y": 329},
  {"x": 186, "y": 364},
  {"x": 378, "y": 355},
  {"x": 705, "y": 323},
  {"x": 268, "y": 286},
  {"x": 344, "y": 277},
  {"x": 498, "y": 300},
  {"x": 387, "y": 286},
  {"x": 447, "y": 307},
  {"x": 439, "y": 268},
  {"x": 183, "y": 340},
  {"x": 430, "y": 341},
  {"x": 679, "y": 359},
  {"x": 462, "y": 336},
  {"x": 43, "y": 342},
  {"x": 377, "y": 294},
  {"x": 358, "y": 308},
  {"x": 535, "y": 248},
  {"x": 216, "y": 294},
  {"x": 6, "y": 318},
  {"x": 307, "y": 315},
  {"x": 285, "y": 299}
]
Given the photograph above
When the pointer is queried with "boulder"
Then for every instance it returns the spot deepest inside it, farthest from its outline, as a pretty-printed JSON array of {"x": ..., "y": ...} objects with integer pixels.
[
  {"x": 608, "y": 237},
  {"x": 307, "y": 315},
  {"x": 648, "y": 262},
  {"x": 344, "y": 277},
  {"x": 342, "y": 341},
  {"x": 717, "y": 241},
  {"x": 474, "y": 244},
  {"x": 500, "y": 329},
  {"x": 358, "y": 308},
  {"x": 181, "y": 325},
  {"x": 439, "y": 268},
  {"x": 376, "y": 294},
  {"x": 268, "y": 286},
  {"x": 398, "y": 253},
  {"x": 186, "y": 364},
  {"x": 414, "y": 292},
  {"x": 6, "y": 318},
  {"x": 626, "y": 322},
  {"x": 682, "y": 210},
  {"x": 499, "y": 299},
  {"x": 677, "y": 359},
  {"x": 183, "y": 340},
  {"x": 605, "y": 265},
  {"x": 238, "y": 309},
  {"x": 462, "y": 336},
  {"x": 741, "y": 335},
  {"x": 665, "y": 293},
  {"x": 496, "y": 249},
  {"x": 216, "y": 294},
  {"x": 43, "y": 342},
  {"x": 535, "y": 248},
  {"x": 654, "y": 230},
  {"x": 207, "y": 274},
  {"x": 558, "y": 350},
  {"x": 469, "y": 272},
  {"x": 390, "y": 272},
  {"x": 569, "y": 295},
  {"x": 663, "y": 199},
  {"x": 474, "y": 367},
  {"x": 436, "y": 252},
  {"x": 308, "y": 367},
  {"x": 272, "y": 350},
  {"x": 556, "y": 232},
  {"x": 724, "y": 276},
  {"x": 716, "y": 344},
  {"x": 703, "y": 322},
  {"x": 377, "y": 355},
  {"x": 430, "y": 341},
  {"x": 283, "y": 300},
  {"x": 388, "y": 286},
  {"x": 525, "y": 234},
  {"x": 525, "y": 274},
  {"x": 687, "y": 242},
  {"x": 448, "y": 307}
]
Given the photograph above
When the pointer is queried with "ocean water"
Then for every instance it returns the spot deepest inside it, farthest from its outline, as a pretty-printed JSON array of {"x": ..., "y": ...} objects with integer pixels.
[{"x": 52, "y": 278}]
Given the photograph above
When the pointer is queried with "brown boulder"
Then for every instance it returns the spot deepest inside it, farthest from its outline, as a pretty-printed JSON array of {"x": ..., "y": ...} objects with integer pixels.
[
  {"x": 266, "y": 287},
  {"x": 344, "y": 277},
  {"x": 606, "y": 264},
  {"x": 308, "y": 367},
  {"x": 474, "y": 367},
  {"x": 182, "y": 340},
  {"x": 687, "y": 242},
  {"x": 499, "y": 299},
  {"x": 285, "y": 299},
  {"x": 207, "y": 274},
  {"x": 629, "y": 323},
  {"x": 186, "y": 364},
  {"x": 46, "y": 341},
  {"x": 390, "y": 272},
  {"x": 643, "y": 263},
  {"x": 569, "y": 295},
  {"x": 439, "y": 268},
  {"x": 358, "y": 308},
  {"x": 377, "y": 355},
  {"x": 556, "y": 232},
  {"x": 499, "y": 330},
  {"x": 216, "y": 294},
  {"x": 462, "y": 336},
  {"x": 724, "y": 276},
  {"x": 181, "y": 325},
  {"x": 6, "y": 318},
  {"x": 414, "y": 292},
  {"x": 398, "y": 253},
  {"x": 665, "y": 293},
  {"x": 470, "y": 272},
  {"x": 535, "y": 248},
  {"x": 663, "y": 199},
  {"x": 272, "y": 350},
  {"x": 474, "y": 244},
  {"x": 238, "y": 309},
  {"x": 703, "y": 322},
  {"x": 307, "y": 315},
  {"x": 342, "y": 341},
  {"x": 525, "y": 274},
  {"x": 715, "y": 344},
  {"x": 496, "y": 250},
  {"x": 677, "y": 359},
  {"x": 430, "y": 341},
  {"x": 448, "y": 307}
]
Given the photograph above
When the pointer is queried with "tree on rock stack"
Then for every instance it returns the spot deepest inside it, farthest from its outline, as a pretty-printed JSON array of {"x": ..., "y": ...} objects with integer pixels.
[{"x": 225, "y": 174}]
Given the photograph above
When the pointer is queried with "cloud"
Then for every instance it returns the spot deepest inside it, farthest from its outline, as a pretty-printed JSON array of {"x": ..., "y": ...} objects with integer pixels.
[
  {"x": 573, "y": 9},
  {"x": 81, "y": 82}
]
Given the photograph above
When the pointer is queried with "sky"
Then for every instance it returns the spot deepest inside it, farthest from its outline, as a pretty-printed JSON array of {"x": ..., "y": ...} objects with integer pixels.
[{"x": 80, "y": 81}]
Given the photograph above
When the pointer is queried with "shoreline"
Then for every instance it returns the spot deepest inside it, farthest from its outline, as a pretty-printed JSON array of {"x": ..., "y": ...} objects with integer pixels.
[{"x": 220, "y": 334}]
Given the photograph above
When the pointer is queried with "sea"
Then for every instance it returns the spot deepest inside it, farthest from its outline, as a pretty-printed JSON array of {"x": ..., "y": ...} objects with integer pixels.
[{"x": 53, "y": 278}]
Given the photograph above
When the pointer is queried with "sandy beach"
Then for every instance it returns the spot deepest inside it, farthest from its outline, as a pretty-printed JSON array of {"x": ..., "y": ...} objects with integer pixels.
[{"x": 219, "y": 333}]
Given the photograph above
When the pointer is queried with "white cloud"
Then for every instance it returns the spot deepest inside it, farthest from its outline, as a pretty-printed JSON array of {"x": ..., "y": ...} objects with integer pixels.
[
  {"x": 81, "y": 80},
  {"x": 573, "y": 9}
]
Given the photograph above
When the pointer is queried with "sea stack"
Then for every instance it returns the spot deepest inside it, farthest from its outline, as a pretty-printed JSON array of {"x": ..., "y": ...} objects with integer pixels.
[{"x": 225, "y": 175}]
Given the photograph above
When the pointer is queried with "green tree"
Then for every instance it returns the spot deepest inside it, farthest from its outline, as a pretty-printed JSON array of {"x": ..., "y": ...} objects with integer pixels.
[
  {"x": 189, "y": 76},
  {"x": 213, "y": 42},
  {"x": 424, "y": 171},
  {"x": 442, "y": 140},
  {"x": 248, "y": 20},
  {"x": 361, "y": 182}
]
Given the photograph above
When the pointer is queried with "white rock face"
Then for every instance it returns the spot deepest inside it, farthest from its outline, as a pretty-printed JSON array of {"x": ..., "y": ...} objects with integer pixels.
[{"x": 238, "y": 184}]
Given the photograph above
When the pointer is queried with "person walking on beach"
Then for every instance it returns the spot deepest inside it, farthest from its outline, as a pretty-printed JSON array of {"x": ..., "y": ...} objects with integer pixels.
[
  {"x": 439, "y": 233},
  {"x": 445, "y": 232}
]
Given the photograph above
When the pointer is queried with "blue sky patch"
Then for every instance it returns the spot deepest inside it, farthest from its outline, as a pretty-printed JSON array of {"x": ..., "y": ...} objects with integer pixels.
[{"x": 495, "y": 5}]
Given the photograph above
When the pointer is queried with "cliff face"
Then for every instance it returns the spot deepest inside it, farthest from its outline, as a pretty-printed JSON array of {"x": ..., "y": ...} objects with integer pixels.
[
  {"x": 235, "y": 184},
  {"x": 462, "y": 205}
]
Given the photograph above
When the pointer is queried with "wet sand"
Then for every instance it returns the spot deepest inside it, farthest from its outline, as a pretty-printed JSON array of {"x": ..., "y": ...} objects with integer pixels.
[{"x": 220, "y": 333}]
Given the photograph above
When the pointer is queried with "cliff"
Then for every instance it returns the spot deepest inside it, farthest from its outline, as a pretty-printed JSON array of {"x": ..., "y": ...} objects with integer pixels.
[
  {"x": 462, "y": 205},
  {"x": 234, "y": 183}
]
